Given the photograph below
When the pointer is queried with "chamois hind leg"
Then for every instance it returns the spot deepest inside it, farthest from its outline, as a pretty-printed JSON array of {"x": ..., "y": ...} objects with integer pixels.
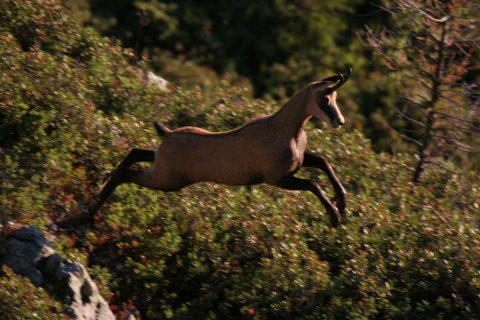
[
  {"x": 294, "y": 183},
  {"x": 119, "y": 175},
  {"x": 138, "y": 155},
  {"x": 314, "y": 161}
]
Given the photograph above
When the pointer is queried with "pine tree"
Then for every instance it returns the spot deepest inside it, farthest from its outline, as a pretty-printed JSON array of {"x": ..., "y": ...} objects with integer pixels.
[{"x": 431, "y": 49}]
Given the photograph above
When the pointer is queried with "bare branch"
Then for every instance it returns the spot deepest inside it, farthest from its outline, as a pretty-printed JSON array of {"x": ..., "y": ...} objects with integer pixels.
[
  {"x": 452, "y": 102},
  {"x": 429, "y": 16},
  {"x": 470, "y": 132},
  {"x": 459, "y": 145},
  {"x": 409, "y": 118},
  {"x": 418, "y": 143},
  {"x": 441, "y": 165},
  {"x": 465, "y": 148},
  {"x": 454, "y": 117}
]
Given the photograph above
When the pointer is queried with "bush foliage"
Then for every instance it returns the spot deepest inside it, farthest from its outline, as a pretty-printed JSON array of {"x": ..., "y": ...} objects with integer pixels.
[
  {"x": 277, "y": 46},
  {"x": 72, "y": 104},
  {"x": 20, "y": 299}
]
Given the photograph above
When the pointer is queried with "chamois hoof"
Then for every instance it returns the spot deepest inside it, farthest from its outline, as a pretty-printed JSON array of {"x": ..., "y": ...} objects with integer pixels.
[
  {"x": 107, "y": 176},
  {"x": 341, "y": 203},
  {"x": 335, "y": 216}
]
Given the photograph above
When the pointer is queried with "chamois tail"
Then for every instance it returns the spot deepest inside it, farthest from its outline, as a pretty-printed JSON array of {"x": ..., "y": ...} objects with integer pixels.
[{"x": 161, "y": 129}]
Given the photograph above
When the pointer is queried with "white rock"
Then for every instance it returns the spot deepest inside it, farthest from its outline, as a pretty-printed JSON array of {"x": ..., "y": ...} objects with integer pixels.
[
  {"x": 31, "y": 255},
  {"x": 154, "y": 79}
]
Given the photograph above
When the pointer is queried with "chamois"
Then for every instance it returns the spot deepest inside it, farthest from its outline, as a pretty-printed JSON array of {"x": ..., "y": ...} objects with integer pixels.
[{"x": 269, "y": 149}]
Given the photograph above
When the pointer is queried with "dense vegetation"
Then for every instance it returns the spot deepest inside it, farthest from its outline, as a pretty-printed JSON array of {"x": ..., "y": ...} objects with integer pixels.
[
  {"x": 275, "y": 45},
  {"x": 72, "y": 103},
  {"x": 280, "y": 45}
]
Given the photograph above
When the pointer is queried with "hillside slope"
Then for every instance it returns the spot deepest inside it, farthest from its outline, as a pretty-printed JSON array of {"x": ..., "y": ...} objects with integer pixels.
[{"x": 73, "y": 103}]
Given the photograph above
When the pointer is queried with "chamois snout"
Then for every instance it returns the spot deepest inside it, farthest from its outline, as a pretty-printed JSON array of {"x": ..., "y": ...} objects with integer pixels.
[
  {"x": 336, "y": 119},
  {"x": 339, "y": 122}
]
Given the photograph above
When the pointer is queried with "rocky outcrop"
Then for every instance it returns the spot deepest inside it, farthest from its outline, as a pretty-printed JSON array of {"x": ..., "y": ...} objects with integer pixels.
[
  {"x": 29, "y": 254},
  {"x": 158, "y": 81}
]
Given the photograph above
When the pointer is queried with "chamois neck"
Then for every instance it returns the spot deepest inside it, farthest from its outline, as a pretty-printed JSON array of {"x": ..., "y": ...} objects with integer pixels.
[{"x": 293, "y": 116}]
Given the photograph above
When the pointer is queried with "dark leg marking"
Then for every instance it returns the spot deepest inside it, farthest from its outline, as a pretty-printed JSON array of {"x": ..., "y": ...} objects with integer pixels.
[
  {"x": 138, "y": 155},
  {"x": 294, "y": 183},
  {"x": 118, "y": 176},
  {"x": 314, "y": 161}
]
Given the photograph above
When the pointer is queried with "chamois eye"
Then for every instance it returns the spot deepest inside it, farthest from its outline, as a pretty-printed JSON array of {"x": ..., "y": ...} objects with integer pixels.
[
  {"x": 322, "y": 100},
  {"x": 324, "y": 105}
]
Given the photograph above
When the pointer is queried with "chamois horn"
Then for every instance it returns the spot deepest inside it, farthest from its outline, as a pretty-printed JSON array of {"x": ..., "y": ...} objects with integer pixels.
[
  {"x": 339, "y": 79},
  {"x": 343, "y": 77}
]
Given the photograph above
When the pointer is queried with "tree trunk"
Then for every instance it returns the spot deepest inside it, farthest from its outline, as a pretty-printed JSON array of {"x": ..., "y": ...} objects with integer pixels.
[{"x": 435, "y": 95}]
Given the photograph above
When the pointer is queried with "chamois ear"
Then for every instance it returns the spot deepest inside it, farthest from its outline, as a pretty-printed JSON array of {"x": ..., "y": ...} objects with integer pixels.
[{"x": 326, "y": 84}]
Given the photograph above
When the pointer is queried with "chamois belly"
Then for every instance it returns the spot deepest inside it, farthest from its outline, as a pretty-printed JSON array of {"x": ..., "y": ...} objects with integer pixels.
[
  {"x": 233, "y": 168},
  {"x": 182, "y": 160},
  {"x": 179, "y": 161},
  {"x": 250, "y": 168}
]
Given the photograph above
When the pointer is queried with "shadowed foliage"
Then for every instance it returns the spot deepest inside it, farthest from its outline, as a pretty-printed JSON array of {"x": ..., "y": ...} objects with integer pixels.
[{"x": 72, "y": 104}]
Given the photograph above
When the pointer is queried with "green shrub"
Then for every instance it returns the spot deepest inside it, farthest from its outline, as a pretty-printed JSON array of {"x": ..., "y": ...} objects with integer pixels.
[
  {"x": 224, "y": 252},
  {"x": 20, "y": 299},
  {"x": 72, "y": 105}
]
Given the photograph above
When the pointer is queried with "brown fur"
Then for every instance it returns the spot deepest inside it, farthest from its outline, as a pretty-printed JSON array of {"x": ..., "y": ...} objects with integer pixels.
[
  {"x": 264, "y": 150},
  {"x": 269, "y": 149}
]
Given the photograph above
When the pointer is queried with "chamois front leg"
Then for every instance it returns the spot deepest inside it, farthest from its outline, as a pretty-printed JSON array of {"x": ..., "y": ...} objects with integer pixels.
[
  {"x": 118, "y": 176},
  {"x": 314, "y": 161},
  {"x": 294, "y": 183}
]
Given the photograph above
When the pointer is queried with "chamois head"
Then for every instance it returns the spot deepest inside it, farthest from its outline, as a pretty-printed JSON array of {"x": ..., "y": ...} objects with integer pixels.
[{"x": 325, "y": 94}]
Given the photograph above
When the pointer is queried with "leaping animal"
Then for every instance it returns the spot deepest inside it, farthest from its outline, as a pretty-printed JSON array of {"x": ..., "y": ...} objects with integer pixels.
[{"x": 269, "y": 149}]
